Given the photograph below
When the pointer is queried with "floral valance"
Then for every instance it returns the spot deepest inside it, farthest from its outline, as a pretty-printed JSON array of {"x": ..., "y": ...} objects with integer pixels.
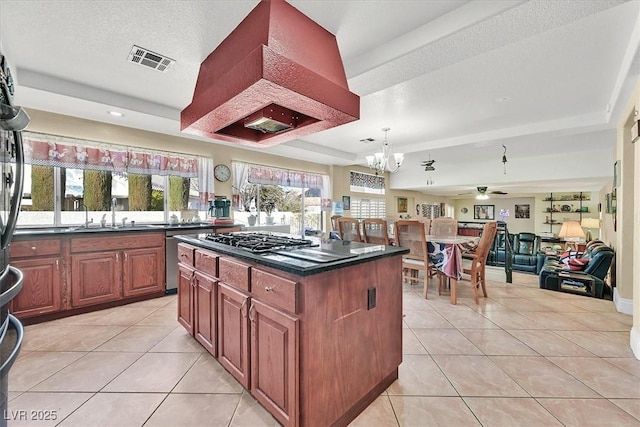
[
  {"x": 48, "y": 150},
  {"x": 288, "y": 178}
]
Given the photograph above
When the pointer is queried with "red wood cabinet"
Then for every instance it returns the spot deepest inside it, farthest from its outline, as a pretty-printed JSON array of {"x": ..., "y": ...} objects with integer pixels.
[
  {"x": 95, "y": 278},
  {"x": 205, "y": 316},
  {"x": 233, "y": 332},
  {"x": 275, "y": 361},
  {"x": 143, "y": 271},
  {"x": 186, "y": 276},
  {"x": 41, "y": 291}
]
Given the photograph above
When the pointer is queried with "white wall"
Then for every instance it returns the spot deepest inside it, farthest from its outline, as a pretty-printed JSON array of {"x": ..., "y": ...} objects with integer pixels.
[{"x": 515, "y": 225}]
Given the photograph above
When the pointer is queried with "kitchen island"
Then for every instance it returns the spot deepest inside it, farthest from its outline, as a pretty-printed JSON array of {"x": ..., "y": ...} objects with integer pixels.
[{"x": 315, "y": 342}]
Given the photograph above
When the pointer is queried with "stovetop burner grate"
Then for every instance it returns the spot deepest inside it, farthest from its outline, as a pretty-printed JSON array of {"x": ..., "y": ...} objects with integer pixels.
[{"x": 259, "y": 242}]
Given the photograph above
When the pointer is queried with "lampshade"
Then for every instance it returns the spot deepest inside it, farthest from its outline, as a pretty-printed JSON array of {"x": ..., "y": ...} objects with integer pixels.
[
  {"x": 571, "y": 230},
  {"x": 590, "y": 223}
]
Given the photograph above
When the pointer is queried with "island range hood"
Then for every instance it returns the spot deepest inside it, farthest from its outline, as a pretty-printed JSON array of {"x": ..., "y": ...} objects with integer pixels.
[{"x": 278, "y": 76}]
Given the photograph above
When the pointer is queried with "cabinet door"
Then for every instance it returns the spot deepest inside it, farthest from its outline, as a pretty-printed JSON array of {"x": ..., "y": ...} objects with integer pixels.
[
  {"x": 274, "y": 361},
  {"x": 41, "y": 291},
  {"x": 204, "y": 328},
  {"x": 233, "y": 336},
  {"x": 95, "y": 278},
  {"x": 143, "y": 271},
  {"x": 185, "y": 296}
]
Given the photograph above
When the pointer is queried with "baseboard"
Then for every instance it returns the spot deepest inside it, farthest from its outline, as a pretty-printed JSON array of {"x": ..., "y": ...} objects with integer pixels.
[
  {"x": 623, "y": 305},
  {"x": 635, "y": 342}
]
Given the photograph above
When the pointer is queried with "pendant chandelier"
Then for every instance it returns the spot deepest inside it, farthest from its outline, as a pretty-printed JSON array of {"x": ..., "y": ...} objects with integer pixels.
[{"x": 385, "y": 160}]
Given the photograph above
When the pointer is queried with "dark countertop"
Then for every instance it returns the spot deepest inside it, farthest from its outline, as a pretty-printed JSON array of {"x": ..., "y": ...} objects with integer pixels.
[
  {"x": 365, "y": 252},
  {"x": 25, "y": 232}
]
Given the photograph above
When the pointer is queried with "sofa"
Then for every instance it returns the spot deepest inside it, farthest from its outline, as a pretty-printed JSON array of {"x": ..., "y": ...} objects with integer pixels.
[
  {"x": 524, "y": 251},
  {"x": 593, "y": 263}
]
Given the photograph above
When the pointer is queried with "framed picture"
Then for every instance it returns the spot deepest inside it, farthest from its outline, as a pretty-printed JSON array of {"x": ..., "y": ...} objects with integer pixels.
[
  {"x": 402, "y": 205},
  {"x": 523, "y": 211},
  {"x": 484, "y": 212},
  {"x": 346, "y": 203}
]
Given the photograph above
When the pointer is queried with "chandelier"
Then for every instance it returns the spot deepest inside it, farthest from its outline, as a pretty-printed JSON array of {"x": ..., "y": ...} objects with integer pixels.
[{"x": 385, "y": 160}]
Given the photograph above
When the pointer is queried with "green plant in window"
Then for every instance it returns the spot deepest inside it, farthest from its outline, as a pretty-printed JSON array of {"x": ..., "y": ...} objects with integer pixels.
[
  {"x": 157, "y": 200},
  {"x": 42, "y": 195},
  {"x": 178, "y": 193},
  {"x": 97, "y": 190},
  {"x": 139, "y": 192}
]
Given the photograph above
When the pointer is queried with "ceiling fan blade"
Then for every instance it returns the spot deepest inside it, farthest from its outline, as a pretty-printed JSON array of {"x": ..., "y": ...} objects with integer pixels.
[{"x": 498, "y": 192}]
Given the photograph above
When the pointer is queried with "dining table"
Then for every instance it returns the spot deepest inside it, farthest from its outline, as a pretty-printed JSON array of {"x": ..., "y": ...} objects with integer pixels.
[{"x": 445, "y": 253}]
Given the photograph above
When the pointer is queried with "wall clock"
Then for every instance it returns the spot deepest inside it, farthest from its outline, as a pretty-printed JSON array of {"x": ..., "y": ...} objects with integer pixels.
[{"x": 222, "y": 172}]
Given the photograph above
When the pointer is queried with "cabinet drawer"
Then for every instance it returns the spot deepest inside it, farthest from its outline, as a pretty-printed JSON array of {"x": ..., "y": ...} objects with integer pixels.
[
  {"x": 207, "y": 262},
  {"x": 234, "y": 273},
  {"x": 35, "y": 248},
  {"x": 274, "y": 290},
  {"x": 117, "y": 241},
  {"x": 185, "y": 254}
]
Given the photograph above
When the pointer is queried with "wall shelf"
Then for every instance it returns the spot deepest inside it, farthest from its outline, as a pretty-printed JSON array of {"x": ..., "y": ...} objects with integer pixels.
[{"x": 572, "y": 206}]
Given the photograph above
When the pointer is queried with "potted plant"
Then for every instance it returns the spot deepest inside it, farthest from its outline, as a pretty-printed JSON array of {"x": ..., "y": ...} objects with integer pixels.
[
  {"x": 268, "y": 206},
  {"x": 247, "y": 195}
]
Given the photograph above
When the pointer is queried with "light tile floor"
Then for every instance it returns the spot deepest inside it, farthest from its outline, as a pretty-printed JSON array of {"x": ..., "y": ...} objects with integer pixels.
[{"x": 524, "y": 356}]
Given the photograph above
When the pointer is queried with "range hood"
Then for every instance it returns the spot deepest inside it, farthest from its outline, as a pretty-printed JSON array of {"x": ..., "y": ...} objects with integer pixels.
[{"x": 278, "y": 76}]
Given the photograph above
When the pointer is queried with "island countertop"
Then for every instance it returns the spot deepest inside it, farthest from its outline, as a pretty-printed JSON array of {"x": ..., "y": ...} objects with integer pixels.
[{"x": 353, "y": 253}]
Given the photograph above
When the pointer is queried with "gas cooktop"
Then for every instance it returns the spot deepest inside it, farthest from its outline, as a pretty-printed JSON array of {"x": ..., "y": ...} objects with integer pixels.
[{"x": 260, "y": 242}]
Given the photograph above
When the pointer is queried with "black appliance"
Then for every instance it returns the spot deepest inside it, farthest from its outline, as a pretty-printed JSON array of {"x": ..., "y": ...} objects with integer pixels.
[
  {"x": 219, "y": 208},
  {"x": 280, "y": 245},
  {"x": 260, "y": 242},
  {"x": 12, "y": 120}
]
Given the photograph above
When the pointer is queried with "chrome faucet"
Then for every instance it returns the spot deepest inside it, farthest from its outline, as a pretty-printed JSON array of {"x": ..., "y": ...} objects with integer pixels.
[
  {"x": 124, "y": 221},
  {"x": 86, "y": 217},
  {"x": 114, "y": 203}
]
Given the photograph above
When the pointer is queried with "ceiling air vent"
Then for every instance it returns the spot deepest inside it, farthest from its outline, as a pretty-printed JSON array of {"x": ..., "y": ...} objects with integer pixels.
[{"x": 146, "y": 58}]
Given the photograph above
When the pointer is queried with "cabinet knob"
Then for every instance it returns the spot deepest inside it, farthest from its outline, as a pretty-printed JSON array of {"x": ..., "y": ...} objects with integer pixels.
[
  {"x": 33, "y": 248},
  {"x": 268, "y": 288}
]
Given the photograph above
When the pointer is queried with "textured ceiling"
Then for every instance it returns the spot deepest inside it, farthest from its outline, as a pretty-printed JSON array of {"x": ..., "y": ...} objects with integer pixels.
[{"x": 454, "y": 80}]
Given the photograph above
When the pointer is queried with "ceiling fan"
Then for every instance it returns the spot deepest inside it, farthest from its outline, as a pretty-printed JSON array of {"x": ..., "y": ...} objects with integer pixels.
[{"x": 482, "y": 193}]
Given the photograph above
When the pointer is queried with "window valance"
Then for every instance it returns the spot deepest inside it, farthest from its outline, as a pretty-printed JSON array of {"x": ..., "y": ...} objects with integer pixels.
[
  {"x": 49, "y": 150},
  {"x": 288, "y": 178},
  {"x": 366, "y": 183}
]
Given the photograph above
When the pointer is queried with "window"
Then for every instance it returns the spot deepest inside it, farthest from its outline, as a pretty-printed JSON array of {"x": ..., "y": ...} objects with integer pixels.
[
  {"x": 368, "y": 208},
  {"x": 70, "y": 182},
  {"x": 280, "y": 197}
]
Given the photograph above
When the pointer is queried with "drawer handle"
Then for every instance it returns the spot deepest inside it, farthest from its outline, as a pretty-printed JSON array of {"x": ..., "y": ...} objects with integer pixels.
[
  {"x": 268, "y": 288},
  {"x": 183, "y": 255}
]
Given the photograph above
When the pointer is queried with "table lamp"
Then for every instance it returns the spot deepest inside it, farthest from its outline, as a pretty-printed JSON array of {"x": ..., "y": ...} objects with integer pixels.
[
  {"x": 590, "y": 223},
  {"x": 571, "y": 232}
]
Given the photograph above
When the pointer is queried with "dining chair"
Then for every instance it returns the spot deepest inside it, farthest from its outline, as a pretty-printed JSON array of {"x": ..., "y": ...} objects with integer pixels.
[
  {"x": 375, "y": 230},
  {"x": 349, "y": 229},
  {"x": 478, "y": 260},
  {"x": 411, "y": 234},
  {"x": 444, "y": 227},
  {"x": 334, "y": 222}
]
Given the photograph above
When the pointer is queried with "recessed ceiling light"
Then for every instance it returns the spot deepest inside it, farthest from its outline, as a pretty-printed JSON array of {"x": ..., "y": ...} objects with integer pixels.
[{"x": 115, "y": 113}]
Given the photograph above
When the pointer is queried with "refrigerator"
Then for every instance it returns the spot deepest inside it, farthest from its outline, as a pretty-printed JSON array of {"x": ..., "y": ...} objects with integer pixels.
[{"x": 13, "y": 119}]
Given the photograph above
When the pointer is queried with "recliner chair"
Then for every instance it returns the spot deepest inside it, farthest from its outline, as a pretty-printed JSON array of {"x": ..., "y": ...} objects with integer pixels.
[
  {"x": 600, "y": 260},
  {"x": 525, "y": 252}
]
